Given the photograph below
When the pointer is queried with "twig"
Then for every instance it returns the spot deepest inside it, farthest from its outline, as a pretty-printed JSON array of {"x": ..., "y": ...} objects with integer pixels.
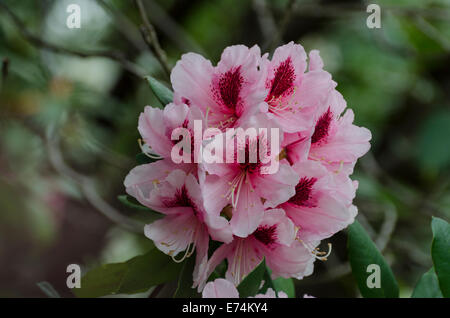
[
  {"x": 290, "y": 8},
  {"x": 265, "y": 20},
  {"x": 124, "y": 26},
  {"x": 39, "y": 42},
  {"x": 388, "y": 226},
  {"x": 171, "y": 28},
  {"x": 429, "y": 30},
  {"x": 4, "y": 71},
  {"x": 87, "y": 186},
  {"x": 150, "y": 37}
]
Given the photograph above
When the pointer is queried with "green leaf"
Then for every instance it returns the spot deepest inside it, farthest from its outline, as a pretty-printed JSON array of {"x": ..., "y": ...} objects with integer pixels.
[
  {"x": 143, "y": 213},
  {"x": 184, "y": 287},
  {"x": 428, "y": 286},
  {"x": 362, "y": 253},
  {"x": 132, "y": 203},
  {"x": 268, "y": 282},
  {"x": 249, "y": 286},
  {"x": 219, "y": 271},
  {"x": 133, "y": 276},
  {"x": 279, "y": 284},
  {"x": 440, "y": 252},
  {"x": 164, "y": 95},
  {"x": 285, "y": 285},
  {"x": 142, "y": 159},
  {"x": 48, "y": 289}
]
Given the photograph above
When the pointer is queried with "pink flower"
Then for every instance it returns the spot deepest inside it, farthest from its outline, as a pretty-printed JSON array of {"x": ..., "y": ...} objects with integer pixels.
[
  {"x": 228, "y": 93},
  {"x": 156, "y": 127},
  {"x": 296, "y": 146},
  {"x": 243, "y": 186},
  {"x": 294, "y": 96},
  {"x": 335, "y": 140},
  {"x": 274, "y": 239},
  {"x": 280, "y": 214},
  {"x": 319, "y": 207},
  {"x": 332, "y": 139},
  {"x": 270, "y": 293},
  {"x": 186, "y": 226},
  {"x": 222, "y": 288},
  {"x": 142, "y": 179}
]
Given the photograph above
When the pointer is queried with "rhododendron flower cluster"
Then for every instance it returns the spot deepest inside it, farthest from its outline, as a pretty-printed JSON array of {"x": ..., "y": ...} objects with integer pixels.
[{"x": 280, "y": 216}]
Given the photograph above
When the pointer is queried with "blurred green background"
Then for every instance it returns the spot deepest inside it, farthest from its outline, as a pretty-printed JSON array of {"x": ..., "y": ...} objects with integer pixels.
[{"x": 68, "y": 124}]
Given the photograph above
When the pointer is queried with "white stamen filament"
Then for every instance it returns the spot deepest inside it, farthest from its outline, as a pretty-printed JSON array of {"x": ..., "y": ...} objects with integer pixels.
[
  {"x": 235, "y": 188},
  {"x": 276, "y": 105},
  {"x": 316, "y": 252},
  {"x": 190, "y": 248},
  {"x": 146, "y": 150},
  {"x": 206, "y": 117}
]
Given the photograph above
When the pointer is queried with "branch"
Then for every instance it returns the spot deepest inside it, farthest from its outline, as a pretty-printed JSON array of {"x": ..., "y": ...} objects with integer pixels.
[
  {"x": 4, "y": 72},
  {"x": 39, "y": 42},
  {"x": 290, "y": 8},
  {"x": 87, "y": 186},
  {"x": 150, "y": 37},
  {"x": 124, "y": 26},
  {"x": 171, "y": 28},
  {"x": 429, "y": 30},
  {"x": 265, "y": 20}
]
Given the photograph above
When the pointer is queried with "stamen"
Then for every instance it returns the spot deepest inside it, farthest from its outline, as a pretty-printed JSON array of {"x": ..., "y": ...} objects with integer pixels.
[
  {"x": 191, "y": 247},
  {"x": 341, "y": 165},
  {"x": 187, "y": 254},
  {"x": 235, "y": 188},
  {"x": 146, "y": 150},
  {"x": 322, "y": 256},
  {"x": 277, "y": 106},
  {"x": 206, "y": 116}
]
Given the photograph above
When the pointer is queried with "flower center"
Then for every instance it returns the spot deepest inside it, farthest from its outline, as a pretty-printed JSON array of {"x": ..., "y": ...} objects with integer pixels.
[
  {"x": 283, "y": 81},
  {"x": 322, "y": 127},
  {"x": 251, "y": 153},
  {"x": 266, "y": 234},
  {"x": 230, "y": 85},
  {"x": 303, "y": 191},
  {"x": 181, "y": 199}
]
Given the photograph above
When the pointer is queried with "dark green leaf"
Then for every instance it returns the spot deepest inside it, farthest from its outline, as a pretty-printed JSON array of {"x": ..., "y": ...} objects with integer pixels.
[
  {"x": 184, "y": 288},
  {"x": 48, "y": 289},
  {"x": 142, "y": 159},
  {"x": 250, "y": 285},
  {"x": 279, "y": 284},
  {"x": 428, "y": 286},
  {"x": 440, "y": 252},
  {"x": 142, "y": 213},
  {"x": 132, "y": 203},
  {"x": 286, "y": 285},
  {"x": 268, "y": 282},
  {"x": 164, "y": 95},
  {"x": 362, "y": 253},
  {"x": 133, "y": 276}
]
